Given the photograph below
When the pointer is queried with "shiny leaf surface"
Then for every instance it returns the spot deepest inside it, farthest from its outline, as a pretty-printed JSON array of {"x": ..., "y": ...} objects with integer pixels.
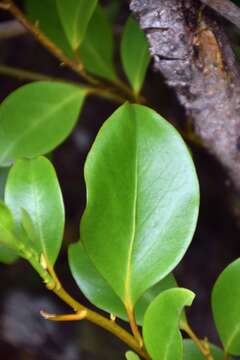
[
  {"x": 161, "y": 334},
  {"x": 97, "y": 49},
  {"x": 48, "y": 21},
  {"x": 142, "y": 201},
  {"x": 75, "y": 16},
  {"x": 135, "y": 54},
  {"x": 32, "y": 185},
  {"x": 226, "y": 307},
  {"x": 36, "y": 118}
]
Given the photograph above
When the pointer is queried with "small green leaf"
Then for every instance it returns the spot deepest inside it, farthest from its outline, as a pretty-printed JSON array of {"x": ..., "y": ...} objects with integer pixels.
[
  {"x": 32, "y": 185},
  {"x": 161, "y": 334},
  {"x": 75, "y": 16},
  {"x": 97, "y": 290},
  {"x": 45, "y": 15},
  {"x": 7, "y": 256},
  {"x": 145, "y": 300},
  {"x": 131, "y": 356},
  {"x": 142, "y": 201},
  {"x": 135, "y": 54},
  {"x": 191, "y": 352},
  {"x": 97, "y": 49},
  {"x": 226, "y": 307},
  {"x": 36, "y": 118},
  {"x": 7, "y": 236}
]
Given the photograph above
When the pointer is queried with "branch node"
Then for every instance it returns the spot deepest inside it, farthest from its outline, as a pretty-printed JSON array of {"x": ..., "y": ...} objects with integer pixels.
[{"x": 79, "y": 315}]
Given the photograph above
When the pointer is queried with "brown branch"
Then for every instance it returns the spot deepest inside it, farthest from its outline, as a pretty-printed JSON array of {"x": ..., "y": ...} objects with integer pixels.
[
  {"x": 193, "y": 53},
  {"x": 27, "y": 75},
  {"x": 45, "y": 41},
  {"x": 116, "y": 87}
]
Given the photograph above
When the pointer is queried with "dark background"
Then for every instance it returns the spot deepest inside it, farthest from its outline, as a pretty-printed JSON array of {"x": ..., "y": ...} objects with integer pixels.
[{"x": 23, "y": 333}]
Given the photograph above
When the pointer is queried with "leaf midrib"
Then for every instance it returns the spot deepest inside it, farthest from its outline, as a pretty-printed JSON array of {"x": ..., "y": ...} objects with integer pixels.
[
  {"x": 136, "y": 76},
  {"x": 75, "y": 28},
  {"x": 104, "y": 64},
  {"x": 128, "y": 300},
  {"x": 232, "y": 337}
]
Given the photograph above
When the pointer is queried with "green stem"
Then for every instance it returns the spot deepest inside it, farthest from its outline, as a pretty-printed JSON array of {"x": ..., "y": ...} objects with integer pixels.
[
  {"x": 34, "y": 76},
  {"x": 24, "y": 74},
  {"x": 134, "y": 326},
  {"x": 101, "y": 321},
  {"x": 205, "y": 350},
  {"x": 93, "y": 316}
]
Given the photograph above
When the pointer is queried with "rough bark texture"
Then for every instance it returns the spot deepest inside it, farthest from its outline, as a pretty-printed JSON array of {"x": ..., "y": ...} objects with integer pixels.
[{"x": 192, "y": 52}]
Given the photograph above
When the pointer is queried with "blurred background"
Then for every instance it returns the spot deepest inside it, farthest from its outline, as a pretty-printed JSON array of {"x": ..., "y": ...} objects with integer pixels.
[{"x": 24, "y": 335}]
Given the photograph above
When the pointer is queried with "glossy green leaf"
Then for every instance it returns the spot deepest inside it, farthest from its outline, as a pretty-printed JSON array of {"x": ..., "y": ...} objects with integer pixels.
[
  {"x": 191, "y": 352},
  {"x": 135, "y": 54},
  {"x": 142, "y": 201},
  {"x": 44, "y": 13},
  {"x": 32, "y": 185},
  {"x": 226, "y": 307},
  {"x": 161, "y": 334},
  {"x": 36, "y": 118},
  {"x": 97, "y": 290},
  {"x": 75, "y": 16},
  {"x": 7, "y": 256},
  {"x": 7, "y": 236},
  {"x": 131, "y": 356},
  {"x": 97, "y": 49}
]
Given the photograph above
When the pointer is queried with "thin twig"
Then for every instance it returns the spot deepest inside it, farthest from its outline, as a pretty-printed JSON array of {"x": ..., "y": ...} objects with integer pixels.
[
  {"x": 45, "y": 41},
  {"x": 96, "y": 318},
  {"x": 66, "y": 317},
  {"x": 134, "y": 327},
  {"x": 205, "y": 350},
  {"x": 23, "y": 74},
  {"x": 117, "y": 86}
]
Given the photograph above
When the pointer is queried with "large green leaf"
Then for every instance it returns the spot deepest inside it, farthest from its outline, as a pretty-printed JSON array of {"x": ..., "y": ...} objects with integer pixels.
[
  {"x": 97, "y": 49},
  {"x": 44, "y": 13},
  {"x": 226, "y": 307},
  {"x": 97, "y": 290},
  {"x": 142, "y": 201},
  {"x": 36, "y": 118},
  {"x": 131, "y": 356},
  {"x": 161, "y": 334},
  {"x": 135, "y": 54},
  {"x": 191, "y": 352},
  {"x": 32, "y": 185},
  {"x": 75, "y": 16}
]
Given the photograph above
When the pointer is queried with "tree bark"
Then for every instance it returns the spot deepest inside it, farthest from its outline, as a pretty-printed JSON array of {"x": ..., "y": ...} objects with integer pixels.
[{"x": 194, "y": 55}]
